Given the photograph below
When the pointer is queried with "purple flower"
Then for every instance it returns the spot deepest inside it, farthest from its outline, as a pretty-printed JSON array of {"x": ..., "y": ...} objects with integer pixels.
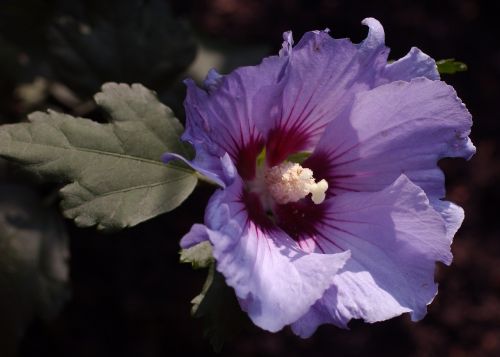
[{"x": 354, "y": 230}]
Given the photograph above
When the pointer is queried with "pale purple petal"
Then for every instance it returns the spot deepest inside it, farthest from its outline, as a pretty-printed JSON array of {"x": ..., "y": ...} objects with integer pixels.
[
  {"x": 213, "y": 80},
  {"x": 286, "y": 47},
  {"x": 197, "y": 234},
  {"x": 400, "y": 127},
  {"x": 222, "y": 119},
  {"x": 221, "y": 171},
  {"x": 452, "y": 215},
  {"x": 414, "y": 64},
  {"x": 207, "y": 165},
  {"x": 319, "y": 83},
  {"x": 395, "y": 238},
  {"x": 375, "y": 39},
  {"x": 275, "y": 281}
]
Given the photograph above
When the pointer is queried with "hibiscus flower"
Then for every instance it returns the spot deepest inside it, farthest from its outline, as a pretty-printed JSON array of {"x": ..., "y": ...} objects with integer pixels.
[{"x": 330, "y": 202}]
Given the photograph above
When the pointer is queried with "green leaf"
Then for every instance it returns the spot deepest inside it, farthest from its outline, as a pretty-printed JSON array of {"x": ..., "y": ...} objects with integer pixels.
[
  {"x": 218, "y": 306},
  {"x": 199, "y": 256},
  {"x": 115, "y": 173},
  {"x": 33, "y": 263},
  {"x": 450, "y": 66},
  {"x": 121, "y": 41}
]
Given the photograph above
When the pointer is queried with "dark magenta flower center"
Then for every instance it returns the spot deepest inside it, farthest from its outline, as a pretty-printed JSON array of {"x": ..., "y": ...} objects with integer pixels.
[{"x": 286, "y": 195}]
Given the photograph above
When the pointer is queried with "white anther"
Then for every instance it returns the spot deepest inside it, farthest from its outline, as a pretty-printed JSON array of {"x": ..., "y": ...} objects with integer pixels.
[{"x": 290, "y": 182}]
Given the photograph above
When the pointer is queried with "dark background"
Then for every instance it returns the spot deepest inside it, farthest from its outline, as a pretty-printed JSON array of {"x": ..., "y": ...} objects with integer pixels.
[{"x": 131, "y": 297}]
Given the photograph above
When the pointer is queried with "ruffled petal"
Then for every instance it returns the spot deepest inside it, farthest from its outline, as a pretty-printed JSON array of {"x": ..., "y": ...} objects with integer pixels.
[
  {"x": 286, "y": 46},
  {"x": 319, "y": 83},
  {"x": 222, "y": 118},
  {"x": 197, "y": 234},
  {"x": 213, "y": 80},
  {"x": 400, "y": 127},
  {"x": 452, "y": 215},
  {"x": 274, "y": 280},
  {"x": 414, "y": 64},
  {"x": 395, "y": 238}
]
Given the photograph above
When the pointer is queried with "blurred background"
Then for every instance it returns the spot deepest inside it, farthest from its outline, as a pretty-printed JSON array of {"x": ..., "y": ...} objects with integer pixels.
[{"x": 66, "y": 291}]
